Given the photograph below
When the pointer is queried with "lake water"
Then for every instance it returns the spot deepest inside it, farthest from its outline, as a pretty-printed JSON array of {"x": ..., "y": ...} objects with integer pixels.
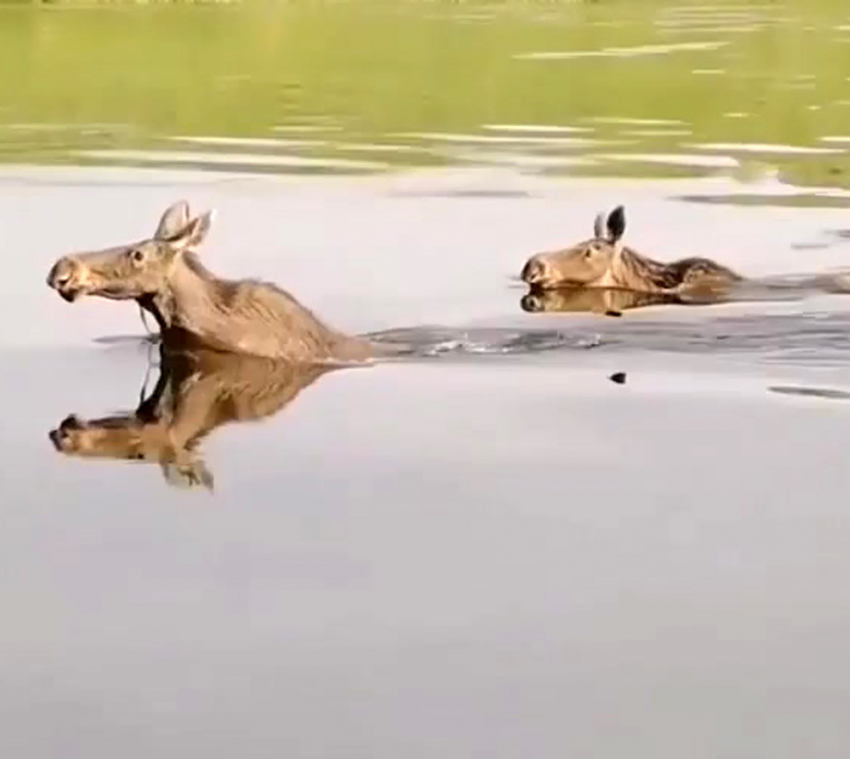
[{"x": 487, "y": 550}]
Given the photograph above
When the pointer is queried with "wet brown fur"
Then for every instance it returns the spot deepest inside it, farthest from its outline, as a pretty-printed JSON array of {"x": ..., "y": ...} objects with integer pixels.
[
  {"x": 197, "y": 392},
  {"x": 194, "y": 308},
  {"x": 603, "y": 261}
]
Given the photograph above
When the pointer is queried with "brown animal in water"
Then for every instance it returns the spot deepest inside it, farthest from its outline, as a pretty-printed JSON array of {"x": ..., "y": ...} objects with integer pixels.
[
  {"x": 603, "y": 261},
  {"x": 196, "y": 309},
  {"x": 196, "y": 393}
]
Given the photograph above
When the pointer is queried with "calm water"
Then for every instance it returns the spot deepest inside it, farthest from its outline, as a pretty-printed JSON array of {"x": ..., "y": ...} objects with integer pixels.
[{"x": 490, "y": 550}]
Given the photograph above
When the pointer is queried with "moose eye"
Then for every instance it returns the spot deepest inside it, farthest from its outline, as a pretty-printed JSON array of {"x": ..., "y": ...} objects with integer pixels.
[{"x": 137, "y": 255}]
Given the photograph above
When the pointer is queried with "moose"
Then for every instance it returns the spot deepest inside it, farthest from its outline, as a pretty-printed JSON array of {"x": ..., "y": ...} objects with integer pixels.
[
  {"x": 605, "y": 262},
  {"x": 194, "y": 308}
]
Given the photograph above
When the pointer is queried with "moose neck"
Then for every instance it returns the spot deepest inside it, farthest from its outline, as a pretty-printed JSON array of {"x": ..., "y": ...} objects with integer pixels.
[
  {"x": 196, "y": 309},
  {"x": 632, "y": 270},
  {"x": 189, "y": 300}
]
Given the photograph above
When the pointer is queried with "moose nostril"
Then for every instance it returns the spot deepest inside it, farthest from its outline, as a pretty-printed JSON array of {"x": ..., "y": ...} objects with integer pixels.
[
  {"x": 56, "y": 437},
  {"x": 531, "y": 303},
  {"x": 61, "y": 273},
  {"x": 533, "y": 271}
]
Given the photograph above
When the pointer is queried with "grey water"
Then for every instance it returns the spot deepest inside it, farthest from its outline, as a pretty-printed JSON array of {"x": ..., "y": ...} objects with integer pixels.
[{"x": 483, "y": 549}]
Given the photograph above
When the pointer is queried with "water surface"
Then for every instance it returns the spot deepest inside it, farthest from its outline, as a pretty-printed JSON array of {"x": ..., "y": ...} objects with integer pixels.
[{"x": 488, "y": 549}]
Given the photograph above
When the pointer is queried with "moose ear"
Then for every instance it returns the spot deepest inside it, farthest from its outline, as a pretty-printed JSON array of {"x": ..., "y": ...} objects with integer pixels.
[
  {"x": 599, "y": 226},
  {"x": 616, "y": 224},
  {"x": 193, "y": 233},
  {"x": 173, "y": 220}
]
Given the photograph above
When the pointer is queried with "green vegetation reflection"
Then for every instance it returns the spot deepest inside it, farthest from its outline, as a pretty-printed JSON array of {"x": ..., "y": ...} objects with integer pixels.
[{"x": 613, "y": 88}]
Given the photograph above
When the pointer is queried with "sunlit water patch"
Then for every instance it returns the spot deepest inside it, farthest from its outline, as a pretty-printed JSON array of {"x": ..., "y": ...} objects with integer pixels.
[
  {"x": 636, "y": 121},
  {"x": 742, "y": 147},
  {"x": 688, "y": 29},
  {"x": 518, "y": 160},
  {"x": 801, "y": 199},
  {"x": 248, "y": 142},
  {"x": 564, "y": 142},
  {"x": 234, "y": 160},
  {"x": 718, "y": 20},
  {"x": 375, "y": 147},
  {"x": 328, "y": 126},
  {"x": 622, "y": 52},
  {"x": 535, "y": 129},
  {"x": 672, "y": 159},
  {"x": 656, "y": 132}
]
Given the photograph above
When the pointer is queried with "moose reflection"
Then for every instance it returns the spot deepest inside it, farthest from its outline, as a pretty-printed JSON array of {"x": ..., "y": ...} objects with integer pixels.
[
  {"x": 607, "y": 301},
  {"x": 195, "y": 394}
]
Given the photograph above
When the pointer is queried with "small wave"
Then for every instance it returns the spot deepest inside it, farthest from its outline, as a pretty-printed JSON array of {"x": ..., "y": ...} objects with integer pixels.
[
  {"x": 535, "y": 128},
  {"x": 127, "y": 339},
  {"x": 811, "y": 338},
  {"x": 553, "y": 140},
  {"x": 636, "y": 122},
  {"x": 814, "y": 338},
  {"x": 424, "y": 342},
  {"x": 247, "y": 142},
  {"x": 437, "y": 341},
  {"x": 745, "y": 147},
  {"x": 673, "y": 159},
  {"x": 811, "y": 392},
  {"x": 218, "y": 159}
]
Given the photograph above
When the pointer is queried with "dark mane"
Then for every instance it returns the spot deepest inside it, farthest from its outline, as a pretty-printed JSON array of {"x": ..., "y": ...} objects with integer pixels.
[
  {"x": 671, "y": 275},
  {"x": 228, "y": 289},
  {"x": 658, "y": 274}
]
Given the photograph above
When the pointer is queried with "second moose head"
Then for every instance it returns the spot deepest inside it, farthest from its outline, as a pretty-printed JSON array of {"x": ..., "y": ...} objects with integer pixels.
[
  {"x": 585, "y": 264},
  {"x": 603, "y": 261}
]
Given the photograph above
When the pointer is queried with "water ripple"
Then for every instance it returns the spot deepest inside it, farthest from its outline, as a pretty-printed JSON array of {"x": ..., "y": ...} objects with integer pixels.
[{"x": 622, "y": 52}]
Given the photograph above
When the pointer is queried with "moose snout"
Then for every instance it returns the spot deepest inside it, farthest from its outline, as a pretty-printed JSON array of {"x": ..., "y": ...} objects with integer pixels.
[
  {"x": 57, "y": 437},
  {"x": 533, "y": 272},
  {"x": 532, "y": 303},
  {"x": 64, "y": 276},
  {"x": 61, "y": 435}
]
